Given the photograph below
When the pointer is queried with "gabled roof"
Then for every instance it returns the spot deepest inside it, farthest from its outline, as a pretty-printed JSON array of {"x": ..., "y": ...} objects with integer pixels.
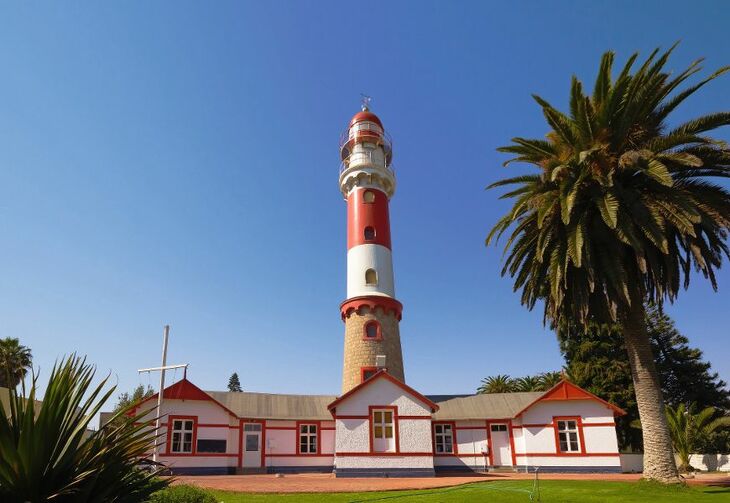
[
  {"x": 185, "y": 390},
  {"x": 482, "y": 406},
  {"x": 566, "y": 390},
  {"x": 383, "y": 374}
]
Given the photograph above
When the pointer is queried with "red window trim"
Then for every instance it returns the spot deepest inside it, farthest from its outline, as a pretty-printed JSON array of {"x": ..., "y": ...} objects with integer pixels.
[
  {"x": 581, "y": 440},
  {"x": 364, "y": 234},
  {"x": 317, "y": 424},
  {"x": 378, "y": 333},
  {"x": 454, "y": 444},
  {"x": 374, "y": 370},
  {"x": 168, "y": 442},
  {"x": 394, "y": 408}
]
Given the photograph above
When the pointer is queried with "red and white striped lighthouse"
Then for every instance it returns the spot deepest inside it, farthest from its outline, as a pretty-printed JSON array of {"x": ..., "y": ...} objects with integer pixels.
[{"x": 371, "y": 313}]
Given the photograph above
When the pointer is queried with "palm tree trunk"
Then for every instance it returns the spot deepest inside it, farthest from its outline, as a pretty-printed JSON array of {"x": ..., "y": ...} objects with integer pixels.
[{"x": 659, "y": 461}]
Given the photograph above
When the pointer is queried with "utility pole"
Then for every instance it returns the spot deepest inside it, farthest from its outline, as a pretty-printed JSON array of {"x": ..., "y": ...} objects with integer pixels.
[{"x": 161, "y": 369}]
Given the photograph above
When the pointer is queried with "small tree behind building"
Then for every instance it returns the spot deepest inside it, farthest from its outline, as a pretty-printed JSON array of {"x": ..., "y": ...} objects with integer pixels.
[{"x": 234, "y": 384}]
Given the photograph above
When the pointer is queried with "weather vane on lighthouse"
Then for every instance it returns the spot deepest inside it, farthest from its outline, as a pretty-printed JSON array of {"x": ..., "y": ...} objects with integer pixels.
[{"x": 366, "y": 102}]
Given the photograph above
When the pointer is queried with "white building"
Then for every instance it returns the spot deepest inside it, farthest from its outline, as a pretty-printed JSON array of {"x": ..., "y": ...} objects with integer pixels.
[{"x": 380, "y": 426}]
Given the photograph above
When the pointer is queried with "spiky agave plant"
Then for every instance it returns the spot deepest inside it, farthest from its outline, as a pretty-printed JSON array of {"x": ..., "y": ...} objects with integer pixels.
[
  {"x": 619, "y": 212},
  {"x": 47, "y": 452}
]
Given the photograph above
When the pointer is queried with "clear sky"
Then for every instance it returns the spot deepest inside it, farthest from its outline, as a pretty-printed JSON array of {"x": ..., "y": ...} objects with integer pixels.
[{"x": 177, "y": 162}]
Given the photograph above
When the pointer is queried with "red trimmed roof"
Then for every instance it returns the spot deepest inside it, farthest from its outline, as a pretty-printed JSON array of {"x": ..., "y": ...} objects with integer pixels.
[
  {"x": 383, "y": 374},
  {"x": 566, "y": 390},
  {"x": 365, "y": 116},
  {"x": 185, "y": 390}
]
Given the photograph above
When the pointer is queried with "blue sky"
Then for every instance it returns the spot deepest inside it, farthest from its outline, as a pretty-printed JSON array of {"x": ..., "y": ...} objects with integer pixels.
[{"x": 176, "y": 162}]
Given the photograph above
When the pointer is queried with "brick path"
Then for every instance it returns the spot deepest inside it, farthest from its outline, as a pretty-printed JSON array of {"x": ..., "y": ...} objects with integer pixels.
[{"x": 318, "y": 482}]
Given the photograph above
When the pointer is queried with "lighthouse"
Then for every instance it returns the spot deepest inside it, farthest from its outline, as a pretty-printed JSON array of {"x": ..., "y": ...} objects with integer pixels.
[{"x": 371, "y": 312}]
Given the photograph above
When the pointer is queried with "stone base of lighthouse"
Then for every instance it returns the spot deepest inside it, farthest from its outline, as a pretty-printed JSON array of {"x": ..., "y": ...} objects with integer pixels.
[{"x": 361, "y": 351}]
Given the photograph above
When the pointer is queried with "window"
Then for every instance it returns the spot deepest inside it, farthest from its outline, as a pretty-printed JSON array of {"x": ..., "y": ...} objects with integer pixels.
[
  {"x": 182, "y": 436},
  {"x": 308, "y": 438},
  {"x": 568, "y": 436},
  {"x": 211, "y": 445},
  {"x": 367, "y": 372},
  {"x": 252, "y": 443},
  {"x": 372, "y": 330},
  {"x": 371, "y": 277},
  {"x": 252, "y": 427},
  {"x": 443, "y": 438},
  {"x": 382, "y": 424},
  {"x": 369, "y": 233},
  {"x": 499, "y": 427},
  {"x": 369, "y": 196}
]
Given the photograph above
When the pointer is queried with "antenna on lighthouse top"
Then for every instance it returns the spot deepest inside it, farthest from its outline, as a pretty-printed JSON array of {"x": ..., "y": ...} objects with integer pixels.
[{"x": 366, "y": 102}]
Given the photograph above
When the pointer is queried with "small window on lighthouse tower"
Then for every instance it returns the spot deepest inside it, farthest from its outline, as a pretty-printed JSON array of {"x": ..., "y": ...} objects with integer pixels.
[
  {"x": 369, "y": 196},
  {"x": 371, "y": 277},
  {"x": 372, "y": 330},
  {"x": 369, "y": 233}
]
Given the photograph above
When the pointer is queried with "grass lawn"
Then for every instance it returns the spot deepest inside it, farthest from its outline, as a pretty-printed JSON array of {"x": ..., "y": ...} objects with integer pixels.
[{"x": 512, "y": 491}]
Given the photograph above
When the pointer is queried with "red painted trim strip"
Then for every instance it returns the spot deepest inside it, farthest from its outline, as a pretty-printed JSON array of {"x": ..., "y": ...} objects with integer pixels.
[
  {"x": 201, "y": 455},
  {"x": 471, "y": 428},
  {"x": 372, "y": 302},
  {"x": 381, "y": 454},
  {"x": 351, "y": 417},
  {"x": 285, "y": 427},
  {"x": 476, "y": 455},
  {"x": 240, "y": 443},
  {"x": 512, "y": 443},
  {"x": 572, "y": 455},
  {"x": 489, "y": 443},
  {"x": 209, "y": 425},
  {"x": 297, "y": 455},
  {"x": 415, "y": 417}
]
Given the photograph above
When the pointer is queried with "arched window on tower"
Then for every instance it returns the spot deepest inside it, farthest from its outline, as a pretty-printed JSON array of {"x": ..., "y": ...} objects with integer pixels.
[
  {"x": 369, "y": 233},
  {"x": 371, "y": 277},
  {"x": 372, "y": 330},
  {"x": 369, "y": 196}
]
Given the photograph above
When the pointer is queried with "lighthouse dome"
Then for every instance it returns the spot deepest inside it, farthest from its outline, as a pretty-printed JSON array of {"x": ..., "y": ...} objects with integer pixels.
[{"x": 365, "y": 116}]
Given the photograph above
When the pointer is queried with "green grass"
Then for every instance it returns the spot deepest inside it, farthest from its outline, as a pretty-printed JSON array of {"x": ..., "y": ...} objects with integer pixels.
[{"x": 516, "y": 491}]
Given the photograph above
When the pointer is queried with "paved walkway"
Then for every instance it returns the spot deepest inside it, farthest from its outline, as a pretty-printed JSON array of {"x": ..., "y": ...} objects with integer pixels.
[{"x": 327, "y": 483}]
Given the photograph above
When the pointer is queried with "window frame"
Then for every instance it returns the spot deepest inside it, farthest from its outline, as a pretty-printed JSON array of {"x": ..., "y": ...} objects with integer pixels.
[
  {"x": 579, "y": 431},
  {"x": 171, "y": 431},
  {"x": 317, "y": 437},
  {"x": 365, "y": 198},
  {"x": 363, "y": 370},
  {"x": 454, "y": 447},
  {"x": 369, "y": 283},
  {"x": 372, "y": 409},
  {"x": 365, "y": 234},
  {"x": 378, "y": 333}
]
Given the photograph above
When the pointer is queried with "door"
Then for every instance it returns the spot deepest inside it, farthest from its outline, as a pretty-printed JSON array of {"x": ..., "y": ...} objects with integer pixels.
[
  {"x": 383, "y": 431},
  {"x": 501, "y": 452},
  {"x": 252, "y": 445}
]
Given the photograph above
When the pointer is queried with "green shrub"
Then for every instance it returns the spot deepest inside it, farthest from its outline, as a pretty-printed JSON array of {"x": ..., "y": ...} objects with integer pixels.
[
  {"x": 47, "y": 452},
  {"x": 183, "y": 494}
]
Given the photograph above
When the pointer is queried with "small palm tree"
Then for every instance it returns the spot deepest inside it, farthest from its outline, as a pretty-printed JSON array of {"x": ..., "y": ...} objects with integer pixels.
[
  {"x": 48, "y": 453},
  {"x": 620, "y": 212},
  {"x": 688, "y": 427},
  {"x": 497, "y": 384},
  {"x": 528, "y": 383},
  {"x": 15, "y": 360}
]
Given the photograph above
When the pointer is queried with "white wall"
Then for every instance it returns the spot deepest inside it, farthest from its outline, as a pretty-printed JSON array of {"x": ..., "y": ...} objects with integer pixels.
[
  {"x": 382, "y": 392},
  {"x": 703, "y": 462}
]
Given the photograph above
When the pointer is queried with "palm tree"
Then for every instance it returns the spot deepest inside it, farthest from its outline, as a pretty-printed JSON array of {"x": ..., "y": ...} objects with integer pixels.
[
  {"x": 620, "y": 213},
  {"x": 15, "y": 360},
  {"x": 548, "y": 380},
  {"x": 528, "y": 383},
  {"x": 687, "y": 427},
  {"x": 497, "y": 384}
]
